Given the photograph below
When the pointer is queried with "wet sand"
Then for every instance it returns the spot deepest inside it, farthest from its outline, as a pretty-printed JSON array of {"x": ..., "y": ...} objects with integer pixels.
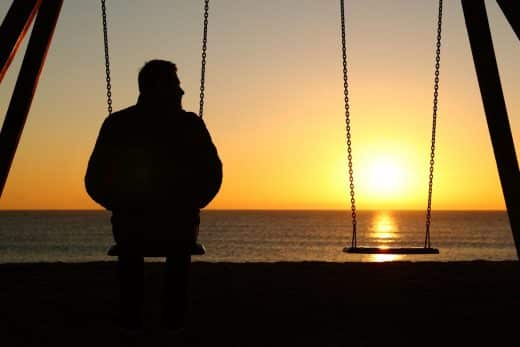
[{"x": 272, "y": 304}]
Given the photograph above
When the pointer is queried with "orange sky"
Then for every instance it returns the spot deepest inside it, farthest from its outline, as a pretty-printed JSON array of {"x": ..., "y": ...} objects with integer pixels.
[{"x": 275, "y": 101}]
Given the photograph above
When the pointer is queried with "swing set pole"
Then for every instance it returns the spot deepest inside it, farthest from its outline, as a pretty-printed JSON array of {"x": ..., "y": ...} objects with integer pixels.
[
  {"x": 14, "y": 28},
  {"x": 495, "y": 109},
  {"x": 511, "y": 10}
]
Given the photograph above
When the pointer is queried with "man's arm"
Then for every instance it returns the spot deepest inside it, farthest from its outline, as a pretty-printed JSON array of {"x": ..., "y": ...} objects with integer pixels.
[
  {"x": 99, "y": 175},
  {"x": 209, "y": 168}
]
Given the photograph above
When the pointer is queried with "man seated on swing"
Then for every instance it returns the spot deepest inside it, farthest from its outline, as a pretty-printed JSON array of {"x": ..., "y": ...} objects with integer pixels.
[{"x": 154, "y": 166}]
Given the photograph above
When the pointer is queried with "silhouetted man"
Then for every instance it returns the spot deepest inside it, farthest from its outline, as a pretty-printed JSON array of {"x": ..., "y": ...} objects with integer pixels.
[{"x": 154, "y": 166}]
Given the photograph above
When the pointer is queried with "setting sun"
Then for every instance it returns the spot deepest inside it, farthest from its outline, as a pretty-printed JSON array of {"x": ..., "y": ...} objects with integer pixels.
[{"x": 385, "y": 176}]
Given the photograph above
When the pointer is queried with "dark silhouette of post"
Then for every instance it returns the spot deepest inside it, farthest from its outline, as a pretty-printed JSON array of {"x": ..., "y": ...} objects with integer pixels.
[
  {"x": 14, "y": 27},
  {"x": 495, "y": 108},
  {"x": 27, "y": 82},
  {"x": 511, "y": 9}
]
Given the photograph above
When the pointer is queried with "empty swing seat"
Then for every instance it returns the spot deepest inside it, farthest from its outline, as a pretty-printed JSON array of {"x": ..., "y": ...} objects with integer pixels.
[
  {"x": 391, "y": 250},
  {"x": 155, "y": 251}
]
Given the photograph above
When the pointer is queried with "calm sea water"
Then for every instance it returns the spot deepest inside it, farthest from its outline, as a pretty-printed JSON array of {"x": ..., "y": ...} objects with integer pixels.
[{"x": 267, "y": 236}]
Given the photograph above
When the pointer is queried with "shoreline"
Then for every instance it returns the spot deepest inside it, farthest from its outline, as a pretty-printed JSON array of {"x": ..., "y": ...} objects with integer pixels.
[{"x": 273, "y": 304}]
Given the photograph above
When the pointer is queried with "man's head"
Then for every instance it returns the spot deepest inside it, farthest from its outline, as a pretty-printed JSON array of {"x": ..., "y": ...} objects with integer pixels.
[{"x": 158, "y": 80}]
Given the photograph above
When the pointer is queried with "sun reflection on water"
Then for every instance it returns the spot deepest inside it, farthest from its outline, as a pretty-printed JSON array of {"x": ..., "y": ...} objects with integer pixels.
[
  {"x": 383, "y": 226},
  {"x": 383, "y": 230},
  {"x": 381, "y": 258}
]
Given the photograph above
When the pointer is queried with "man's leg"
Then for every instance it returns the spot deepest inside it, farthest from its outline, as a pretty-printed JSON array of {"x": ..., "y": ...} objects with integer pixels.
[
  {"x": 130, "y": 269},
  {"x": 175, "y": 296}
]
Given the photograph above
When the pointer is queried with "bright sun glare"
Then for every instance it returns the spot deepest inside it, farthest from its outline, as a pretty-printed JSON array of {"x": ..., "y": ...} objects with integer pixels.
[{"x": 385, "y": 176}]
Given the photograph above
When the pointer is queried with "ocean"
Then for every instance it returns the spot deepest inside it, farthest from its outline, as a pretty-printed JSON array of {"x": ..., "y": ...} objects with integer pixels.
[{"x": 268, "y": 236}]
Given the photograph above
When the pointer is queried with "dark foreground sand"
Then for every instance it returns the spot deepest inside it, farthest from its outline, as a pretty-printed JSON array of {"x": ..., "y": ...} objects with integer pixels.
[{"x": 273, "y": 304}]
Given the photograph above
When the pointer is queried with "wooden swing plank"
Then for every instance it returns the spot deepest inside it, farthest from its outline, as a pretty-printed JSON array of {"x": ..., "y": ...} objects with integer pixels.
[
  {"x": 391, "y": 250},
  {"x": 156, "y": 252}
]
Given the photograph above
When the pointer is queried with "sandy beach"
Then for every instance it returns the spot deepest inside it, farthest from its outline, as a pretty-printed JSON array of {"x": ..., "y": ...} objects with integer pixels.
[{"x": 273, "y": 304}]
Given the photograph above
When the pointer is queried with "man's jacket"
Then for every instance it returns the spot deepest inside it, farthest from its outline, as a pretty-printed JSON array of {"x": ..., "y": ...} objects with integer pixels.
[{"x": 150, "y": 158}]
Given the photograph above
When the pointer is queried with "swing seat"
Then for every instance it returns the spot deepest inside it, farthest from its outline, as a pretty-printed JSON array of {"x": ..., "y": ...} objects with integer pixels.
[
  {"x": 155, "y": 251},
  {"x": 391, "y": 250}
]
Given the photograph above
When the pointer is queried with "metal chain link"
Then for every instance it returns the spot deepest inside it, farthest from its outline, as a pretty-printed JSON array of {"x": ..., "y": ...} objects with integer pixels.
[
  {"x": 203, "y": 63},
  {"x": 434, "y": 125},
  {"x": 107, "y": 57},
  {"x": 347, "y": 125}
]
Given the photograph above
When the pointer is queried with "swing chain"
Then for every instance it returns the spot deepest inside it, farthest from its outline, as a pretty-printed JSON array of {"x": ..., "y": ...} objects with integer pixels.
[
  {"x": 347, "y": 124},
  {"x": 107, "y": 57},
  {"x": 434, "y": 125},
  {"x": 203, "y": 64}
]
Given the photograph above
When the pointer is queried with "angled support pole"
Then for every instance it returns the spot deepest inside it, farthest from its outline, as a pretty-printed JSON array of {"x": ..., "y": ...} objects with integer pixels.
[
  {"x": 14, "y": 27},
  {"x": 26, "y": 84},
  {"x": 488, "y": 76},
  {"x": 511, "y": 9}
]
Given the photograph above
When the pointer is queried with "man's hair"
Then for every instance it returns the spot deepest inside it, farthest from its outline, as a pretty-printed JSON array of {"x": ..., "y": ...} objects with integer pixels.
[{"x": 153, "y": 73}]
